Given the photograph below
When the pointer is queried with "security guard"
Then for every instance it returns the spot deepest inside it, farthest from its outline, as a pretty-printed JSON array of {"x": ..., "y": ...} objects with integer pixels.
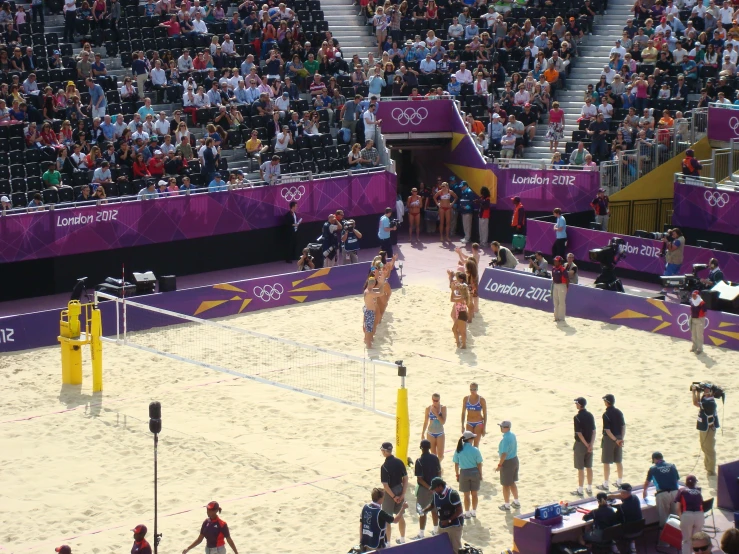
[
  {"x": 707, "y": 425},
  {"x": 612, "y": 443},
  {"x": 665, "y": 477},
  {"x": 583, "y": 449}
]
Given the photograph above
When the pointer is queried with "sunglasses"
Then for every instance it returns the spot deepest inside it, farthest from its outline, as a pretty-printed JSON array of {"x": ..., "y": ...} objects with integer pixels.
[{"x": 702, "y": 548}]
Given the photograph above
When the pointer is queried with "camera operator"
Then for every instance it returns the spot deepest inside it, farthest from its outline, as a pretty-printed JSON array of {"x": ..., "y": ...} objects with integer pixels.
[
  {"x": 571, "y": 268},
  {"x": 707, "y": 423},
  {"x": 330, "y": 240},
  {"x": 340, "y": 249},
  {"x": 538, "y": 265},
  {"x": 350, "y": 242},
  {"x": 502, "y": 257},
  {"x": 306, "y": 261},
  {"x": 674, "y": 246},
  {"x": 715, "y": 274},
  {"x": 386, "y": 226}
]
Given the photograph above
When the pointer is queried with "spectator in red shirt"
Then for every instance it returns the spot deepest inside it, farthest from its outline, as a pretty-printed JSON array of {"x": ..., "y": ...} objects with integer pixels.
[
  {"x": 140, "y": 544},
  {"x": 215, "y": 532},
  {"x": 139, "y": 168},
  {"x": 156, "y": 164},
  {"x": 173, "y": 27}
]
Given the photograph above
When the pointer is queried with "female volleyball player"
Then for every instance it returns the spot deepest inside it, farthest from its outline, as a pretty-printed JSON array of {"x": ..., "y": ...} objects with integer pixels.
[
  {"x": 444, "y": 199},
  {"x": 475, "y": 409},
  {"x": 414, "y": 204},
  {"x": 433, "y": 420},
  {"x": 460, "y": 298}
]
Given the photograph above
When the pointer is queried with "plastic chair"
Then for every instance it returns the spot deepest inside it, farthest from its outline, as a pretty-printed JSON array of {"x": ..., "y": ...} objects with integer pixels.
[
  {"x": 610, "y": 536},
  {"x": 708, "y": 507},
  {"x": 632, "y": 530}
]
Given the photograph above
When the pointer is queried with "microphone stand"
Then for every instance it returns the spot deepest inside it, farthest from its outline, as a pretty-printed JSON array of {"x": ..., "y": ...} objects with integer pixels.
[{"x": 157, "y": 536}]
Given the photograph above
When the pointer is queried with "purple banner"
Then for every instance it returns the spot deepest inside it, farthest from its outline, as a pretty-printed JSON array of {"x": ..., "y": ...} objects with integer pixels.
[
  {"x": 706, "y": 208},
  {"x": 416, "y": 116},
  {"x": 544, "y": 190},
  {"x": 63, "y": 232},
  {"x": 39, "y": 329},
  {"x": 723, "y": 124},
  {"x": 636, "y": 312},
  {"x": 642, "y": 254}
]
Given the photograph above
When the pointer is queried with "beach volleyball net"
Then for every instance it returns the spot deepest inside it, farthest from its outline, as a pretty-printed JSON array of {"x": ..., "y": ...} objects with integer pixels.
[{"x": 226, "y": 348}]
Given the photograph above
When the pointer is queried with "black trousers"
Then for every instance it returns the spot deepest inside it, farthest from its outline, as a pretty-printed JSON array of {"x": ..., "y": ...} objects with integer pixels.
[
  {"x": 387, "y": 246},
  {"x": 291, "y": 246},
  {"x": 70, "y": 19},
  {"x": 560, "y": 248},
  {"x": 38, "y": 13}
]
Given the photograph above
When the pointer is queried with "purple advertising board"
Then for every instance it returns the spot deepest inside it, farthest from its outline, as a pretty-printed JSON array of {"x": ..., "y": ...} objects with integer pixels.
[
  {"x": 641, "y": 254},
  {"x": 543, "y": 190},
  {"x": 62, "y": 232},
  {"x": 723, "y": 124},
  {"x": 646, "y": 314},
  {"x": 416, "y": 116},
  {"x": 702, "y": 207},
  {"x": 39, "y": 329}
]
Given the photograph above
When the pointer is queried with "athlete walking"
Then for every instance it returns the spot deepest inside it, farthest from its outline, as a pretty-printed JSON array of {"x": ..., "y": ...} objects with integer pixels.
[
  {"x": 474, "y": 409},
  {"x": 433, "y": 421}
]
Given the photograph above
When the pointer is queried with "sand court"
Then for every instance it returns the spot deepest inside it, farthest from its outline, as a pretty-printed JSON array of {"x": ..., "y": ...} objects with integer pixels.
[{"x": 292, "y": 471}]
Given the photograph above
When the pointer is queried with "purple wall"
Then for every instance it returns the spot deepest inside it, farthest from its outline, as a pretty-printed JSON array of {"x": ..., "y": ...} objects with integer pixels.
[
  {"x": 416, "y": 116},
  {"x": 542, "y": 190},
  {"x": 63, "y": 232},
  {"x": 701, "y": 207},
  {"x": 643, "y": 254},
  {"x": 723, "y": 124},
  {"x": 645, "y": 314},
  {"x": 39, "y": 329}
]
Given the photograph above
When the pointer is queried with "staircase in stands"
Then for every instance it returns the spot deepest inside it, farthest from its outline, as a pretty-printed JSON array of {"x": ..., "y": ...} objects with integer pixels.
[{"x": 349, "y": 28}]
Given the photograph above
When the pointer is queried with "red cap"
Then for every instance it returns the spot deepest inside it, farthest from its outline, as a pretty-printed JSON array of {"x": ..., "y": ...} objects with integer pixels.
[
  {"x": 140, "y": 529},
  {"x": 64, "y": 549},
  {"x": 558, "y": 258},
  {"x": 527, "y": 105},
  {"x": 213, "y": 506}
]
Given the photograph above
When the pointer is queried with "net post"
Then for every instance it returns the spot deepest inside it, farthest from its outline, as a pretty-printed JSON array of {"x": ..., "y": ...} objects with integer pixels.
[{"x": 402, "y": 416}]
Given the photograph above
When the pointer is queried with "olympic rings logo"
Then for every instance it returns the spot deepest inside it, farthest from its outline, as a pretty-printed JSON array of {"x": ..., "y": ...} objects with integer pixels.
[
  {"x": 683, "y": 321},
  {"x": 409, "y": 116},
  {"x": 719, "y": 199},
  {"x": 292, "y": 193},
  {"x": 734, "y": 125},
  {"x": 269, "y": 292}
]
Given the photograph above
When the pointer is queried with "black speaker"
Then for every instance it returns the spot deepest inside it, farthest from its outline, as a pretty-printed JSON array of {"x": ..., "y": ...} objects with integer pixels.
[
  {"x": 155, "y": 417},
  {"x": 595, "y": 226},
  {"x": 115, "y": 290},
  {"x": 145, "y": 282},
  {"x": 167, "y": 283}
]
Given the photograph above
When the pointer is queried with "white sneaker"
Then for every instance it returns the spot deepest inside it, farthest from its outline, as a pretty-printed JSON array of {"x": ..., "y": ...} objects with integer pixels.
[
  {"x": 466, "y": 515},
  {"x": 434, "y": 532},
  {"x": 602, "y": 487},
  {"x": 417, "y": 537},
  {"x": 589, "y": 492},
  {"x": 473, "y": 513},
  {"x": 401, "y": 540},
  {"x": 516, "y": 504},
  {"x": 505, "y": 507}
]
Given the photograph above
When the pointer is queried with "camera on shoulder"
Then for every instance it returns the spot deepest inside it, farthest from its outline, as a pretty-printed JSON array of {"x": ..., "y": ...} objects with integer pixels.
[{"x": 531, "y": 257}]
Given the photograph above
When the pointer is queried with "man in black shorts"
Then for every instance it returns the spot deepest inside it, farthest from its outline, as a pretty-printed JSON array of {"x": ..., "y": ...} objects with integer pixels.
[
  {"x": 583, "y": 449},
  {"x": 612, "y": 443},
  {"x": 427, "y": 467},
  {"x": 394, "y": 479}
]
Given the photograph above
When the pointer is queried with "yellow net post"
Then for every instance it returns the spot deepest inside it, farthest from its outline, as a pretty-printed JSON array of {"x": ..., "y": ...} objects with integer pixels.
[
  {"x": 402, "y": 417},
  {"x": 96, "y": 349},
  {"x": 72, "y": 340}
]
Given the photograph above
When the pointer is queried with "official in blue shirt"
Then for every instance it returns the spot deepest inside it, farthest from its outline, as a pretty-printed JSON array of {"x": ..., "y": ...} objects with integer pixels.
[
  {"x": 467, "y": 199},
  {"x": 508, "y": 466},
  {"x": 383, "y": 233},
  {"x": 217, "y": 184},
  {"x": 664, "y": 476},
  {"x": 560, "y": 233},
  {"x": 468, "y": 467}
]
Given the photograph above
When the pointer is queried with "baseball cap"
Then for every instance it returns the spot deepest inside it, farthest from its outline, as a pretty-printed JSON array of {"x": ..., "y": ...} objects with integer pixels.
[
  {"x": 57, "y": 53},
  {"x": 4, "y": 199},
  {"x": 437, "y": 481},
  {"x": 527, "y": 105},
  {"x": 580, "y": 400},
  {"x": 213, "y": 505},
  {"x": 625, "y": 487},
  {"x": 157, "y": 152},
  {"x": 162, "y": 182},
  {"x": 387, "y": 446},
  {"x": 505, "y": 424},
  {"x": 516, "y": 198},
  {"x": 657, "y": 456},
  {"x": 425, "y": 444},
  {"x": 140, "y": 528},
  {"x": 468, "y": 435},
  {"x": 558, "y": 258},
  {"x": 610, "y": 398},
  {"x": 64, "y": 549},
  {"x": 691, "y": 480},
  {"x": 496, "y": 116}
]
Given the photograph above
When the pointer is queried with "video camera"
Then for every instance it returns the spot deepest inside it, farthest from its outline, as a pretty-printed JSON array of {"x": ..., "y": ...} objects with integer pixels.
[
  {"x": 394, "y": 223},
  {"x": 608, "y": 257},
  {"x": 685, "y": 284},
  {"x": 530, "y": 257},
  {"x": 493, "y": 262},
  {"x": 348, "y": 225},
  {"x": 717, "y": 391}
]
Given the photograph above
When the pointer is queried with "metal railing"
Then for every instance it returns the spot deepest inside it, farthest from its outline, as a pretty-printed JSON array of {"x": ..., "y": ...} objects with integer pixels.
[
  {"x": 245, "y": 184},
  {"x": 513, "y": 163},
  {"x": 699, "y": 124},
  {"x": 695, "y": 180},
  {"x": 644, "y": 215}
]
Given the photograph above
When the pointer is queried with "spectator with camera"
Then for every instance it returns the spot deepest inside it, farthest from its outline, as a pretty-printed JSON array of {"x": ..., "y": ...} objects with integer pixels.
[
  {"x": 715, "y": 275},
  {"x": 538, "y": 264},
  {"x": 330, "y": 234},
  {"x": 673, "y": 247},
  {"x": 350, "y": 242},
  {"x": 387, "y": 225},
  {"x": 502, "y": 256},
  {"x": 707, "y": 422},
  {"x": 560, "y": 284},
  {"x": 306, "y": 262}
]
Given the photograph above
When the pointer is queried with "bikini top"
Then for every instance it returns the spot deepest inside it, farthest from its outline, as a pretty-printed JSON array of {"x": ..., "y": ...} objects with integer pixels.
[
  {"x": 477, "y": 407},
  {"x": 415, "y": 202},
  {"x": 445, "y": 196},
  {"x": 432, "y": 415}
]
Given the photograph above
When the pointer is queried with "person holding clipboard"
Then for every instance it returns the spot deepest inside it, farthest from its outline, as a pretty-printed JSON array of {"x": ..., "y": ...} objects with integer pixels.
[{"x": 291, "y": 223}]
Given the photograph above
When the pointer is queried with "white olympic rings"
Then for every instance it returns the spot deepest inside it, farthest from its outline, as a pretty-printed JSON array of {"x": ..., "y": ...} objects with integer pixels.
[
  {"x": 734, "y": 125},
  {"x": 719, "y": 199},
  {"x": 409, "y": 116},
  {"x": 269, "y": 292},
  {"x": 292, "y": 193},
  {"x": 683, "y": 321}
]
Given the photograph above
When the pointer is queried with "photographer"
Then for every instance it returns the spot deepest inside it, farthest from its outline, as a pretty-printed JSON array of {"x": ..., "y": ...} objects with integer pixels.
[
  {"x": 350, "y": 242},
  {"x": 715, "y": 275},
  {"x": 330, "y": 240},
  {"x": 538, "y": 265},
  {"x": 571, "y": 268},
  {"x": 386, "y": 226},
  {"x": 306, "y": 261},
  {"x": 707, "y": 423},
  {"x": 502, "y": 257},
  {"x": 674, "y": 246}
]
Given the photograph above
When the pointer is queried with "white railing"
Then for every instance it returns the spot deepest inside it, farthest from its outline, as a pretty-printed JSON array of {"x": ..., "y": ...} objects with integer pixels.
[
  {"x": 511, "y": 163},
  {"x": 696, "y": 180}
]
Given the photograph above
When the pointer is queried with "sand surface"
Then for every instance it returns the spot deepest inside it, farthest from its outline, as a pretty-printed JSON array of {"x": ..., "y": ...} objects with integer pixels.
[{"x": 292, "y": 471}]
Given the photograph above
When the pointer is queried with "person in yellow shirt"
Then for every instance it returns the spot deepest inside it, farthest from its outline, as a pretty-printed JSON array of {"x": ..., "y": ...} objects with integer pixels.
[
  {"x": 649, "y": 54},
  {"x": 254, "y": 148}
]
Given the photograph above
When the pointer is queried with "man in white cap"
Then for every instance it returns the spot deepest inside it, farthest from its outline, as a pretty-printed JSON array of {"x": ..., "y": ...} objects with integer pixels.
[
  {"x": 508, "y": 466},
  {"x": 697, "y": 321},
  {"x": 560, "y": 284}
]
